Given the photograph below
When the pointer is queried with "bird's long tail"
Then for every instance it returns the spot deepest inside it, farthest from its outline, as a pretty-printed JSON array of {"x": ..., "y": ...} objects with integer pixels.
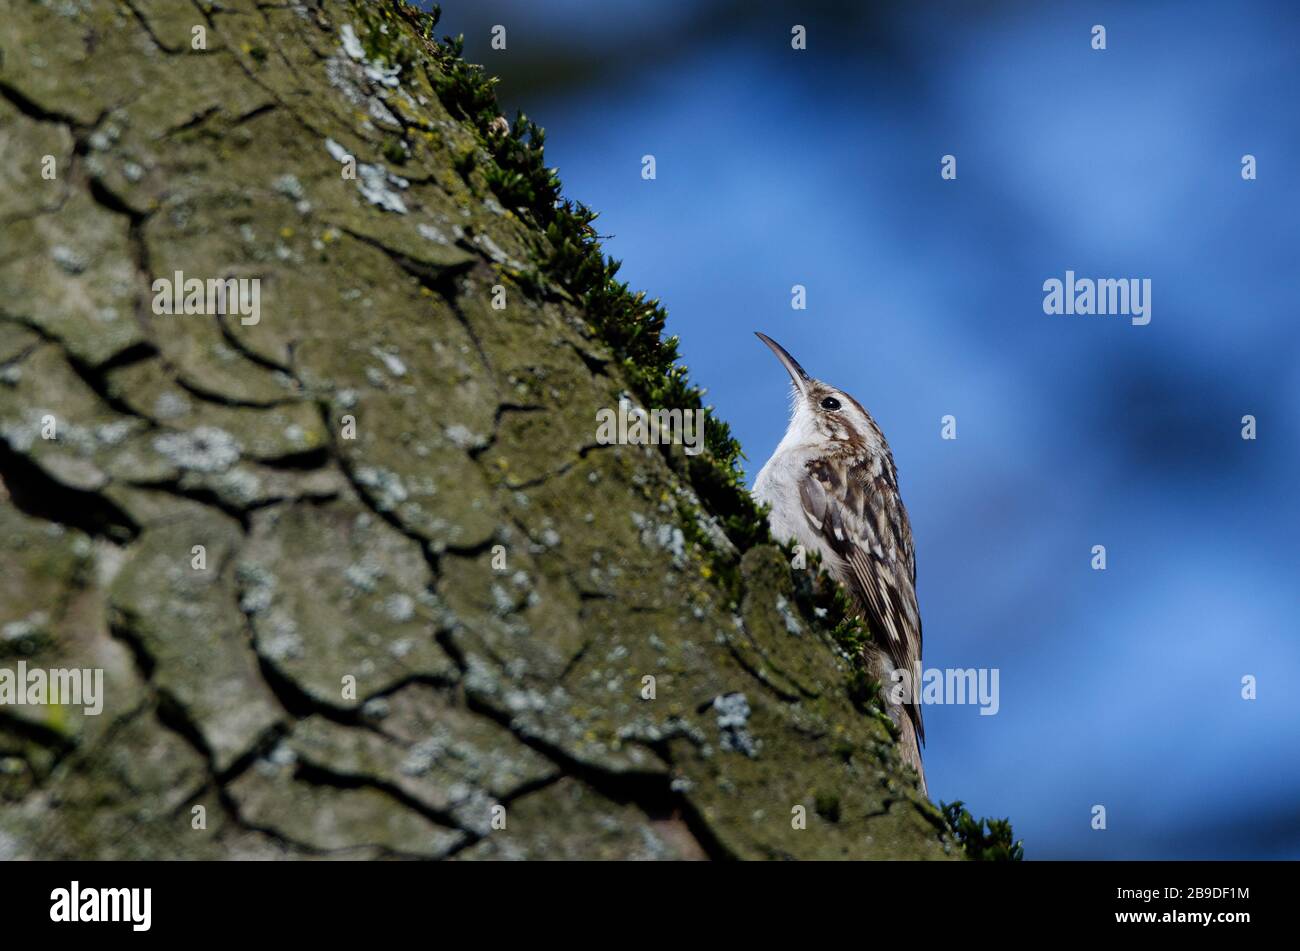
[
  {"x": 909, "y": 748},
  {"x": 905, "y": 718}
]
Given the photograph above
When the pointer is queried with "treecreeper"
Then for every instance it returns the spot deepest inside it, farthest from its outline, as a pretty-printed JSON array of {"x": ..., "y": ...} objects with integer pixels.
[{"x": 833, "y": 488}]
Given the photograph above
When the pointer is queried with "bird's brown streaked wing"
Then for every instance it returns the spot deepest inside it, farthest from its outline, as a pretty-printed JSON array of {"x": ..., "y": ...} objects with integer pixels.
[{"x": 855, "y": 507}]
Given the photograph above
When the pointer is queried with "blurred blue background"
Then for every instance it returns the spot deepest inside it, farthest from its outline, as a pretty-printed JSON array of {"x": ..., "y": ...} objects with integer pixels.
[{"x": 775, "y": 167}]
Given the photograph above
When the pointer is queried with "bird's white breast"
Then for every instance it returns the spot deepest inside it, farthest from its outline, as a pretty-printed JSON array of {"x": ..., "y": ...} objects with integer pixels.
[{"x": 778, "y": 486}]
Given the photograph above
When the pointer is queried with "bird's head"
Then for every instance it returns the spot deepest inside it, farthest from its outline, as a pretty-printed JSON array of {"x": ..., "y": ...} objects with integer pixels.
[{"x": 821, "y": 413}]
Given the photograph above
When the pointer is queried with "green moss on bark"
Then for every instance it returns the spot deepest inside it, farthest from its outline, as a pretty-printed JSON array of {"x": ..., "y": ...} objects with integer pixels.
[{"x": 642, "y": 658}]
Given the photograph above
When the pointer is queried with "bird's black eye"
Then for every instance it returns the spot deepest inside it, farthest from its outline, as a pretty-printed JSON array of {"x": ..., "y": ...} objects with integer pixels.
[{"x": 830, "y": 403}]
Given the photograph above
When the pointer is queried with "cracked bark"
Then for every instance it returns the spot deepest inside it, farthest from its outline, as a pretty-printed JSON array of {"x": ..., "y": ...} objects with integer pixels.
[{"x": 353, "y": 673}]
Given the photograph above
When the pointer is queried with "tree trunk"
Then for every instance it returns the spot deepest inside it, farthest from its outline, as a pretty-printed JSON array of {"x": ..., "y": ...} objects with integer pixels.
[{"x": 360, "y": 578}]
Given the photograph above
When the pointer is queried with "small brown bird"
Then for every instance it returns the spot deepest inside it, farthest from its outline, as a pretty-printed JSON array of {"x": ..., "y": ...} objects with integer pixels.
[{"x": 833, "y": 488}]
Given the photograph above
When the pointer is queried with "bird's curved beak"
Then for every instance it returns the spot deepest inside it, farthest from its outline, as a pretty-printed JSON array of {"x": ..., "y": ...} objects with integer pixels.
[{"x": 801, "y": 379}]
